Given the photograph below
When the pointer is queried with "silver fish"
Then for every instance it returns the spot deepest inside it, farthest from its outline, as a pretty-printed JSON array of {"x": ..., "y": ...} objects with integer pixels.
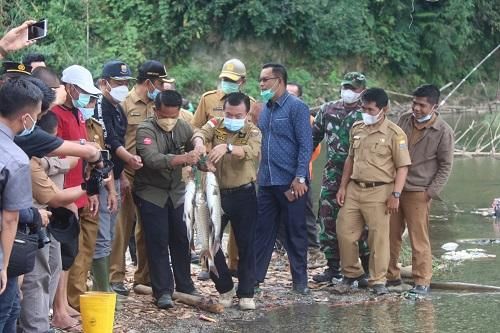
[
  {"x": 214, "y": 206},
  {"x": 189, "y": 208},
  {"x": 204, "y": 228}
]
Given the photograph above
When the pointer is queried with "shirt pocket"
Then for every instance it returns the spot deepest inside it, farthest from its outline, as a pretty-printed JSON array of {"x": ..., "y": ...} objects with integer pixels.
[
  {"x": 281, "y": 126},
  {"x": 379, "y": 153}
]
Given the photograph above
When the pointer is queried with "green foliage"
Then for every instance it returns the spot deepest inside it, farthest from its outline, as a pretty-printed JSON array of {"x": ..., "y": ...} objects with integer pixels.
[{"x": 319, "y": 40}]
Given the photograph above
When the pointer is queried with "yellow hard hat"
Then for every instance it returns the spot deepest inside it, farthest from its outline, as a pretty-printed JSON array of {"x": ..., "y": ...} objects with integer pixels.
[{"x": 233, "y": 69}]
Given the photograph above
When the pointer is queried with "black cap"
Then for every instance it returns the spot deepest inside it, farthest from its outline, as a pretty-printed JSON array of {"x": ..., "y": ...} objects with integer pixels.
[
  {"x": 16, "y": 68},
  {"x": 117, "y": 70},
  {"x": 64, "y": 225},
  {"x": 153, "y": 69}
]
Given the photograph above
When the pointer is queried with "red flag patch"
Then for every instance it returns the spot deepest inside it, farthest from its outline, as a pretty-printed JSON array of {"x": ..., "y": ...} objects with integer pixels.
[{"x": 147, "y": 141}]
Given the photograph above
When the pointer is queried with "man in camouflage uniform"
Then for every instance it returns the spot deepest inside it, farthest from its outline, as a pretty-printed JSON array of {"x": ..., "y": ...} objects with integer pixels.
[{"x": 334, "y": 120}]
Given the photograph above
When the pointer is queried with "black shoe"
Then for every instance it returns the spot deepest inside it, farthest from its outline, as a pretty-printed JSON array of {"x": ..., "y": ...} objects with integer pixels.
[
  {"x": 327, "y": 275},
  {"x": 380, "y": 289},
  {"x": 420, "y": 289},
  {"x": 393, "y": 283},
  {"x": 361, "y": 281},
  {"x": 119, "y": 288},
  {"x": 301, "y": 289},
  {"x": 203, "y": 276},
  {"x": 165, "y": 302}
]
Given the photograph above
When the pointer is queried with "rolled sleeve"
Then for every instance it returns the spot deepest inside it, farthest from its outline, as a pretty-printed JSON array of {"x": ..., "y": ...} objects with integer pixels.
[
  {"x": 303, "y": 134},
  {"x": 206, "y": 132},
  {"x": 44, "y": 189},
  {"x": 147, "y": 148},
  {"x": 400, "y": 153},
  {"x": 54, "y": 165}
]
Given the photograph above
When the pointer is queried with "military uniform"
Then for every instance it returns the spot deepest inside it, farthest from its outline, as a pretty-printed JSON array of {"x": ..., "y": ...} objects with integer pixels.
[
  {"x": 89, "y": 226},
  {"x": 136, "y": 110},
  {"x": 159, "y": 196},
  {"x": 377, "y": 151},
  {"x": 333, "y": 121},
  {"x": 236, "y": 179}
]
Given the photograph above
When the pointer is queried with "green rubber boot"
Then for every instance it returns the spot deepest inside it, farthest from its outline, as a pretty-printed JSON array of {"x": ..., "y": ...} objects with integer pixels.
[{"x": 100, "y": 275}]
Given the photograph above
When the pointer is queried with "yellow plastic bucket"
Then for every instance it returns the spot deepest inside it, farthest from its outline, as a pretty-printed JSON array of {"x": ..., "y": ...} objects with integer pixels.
[{"x": 98, "y": 311}]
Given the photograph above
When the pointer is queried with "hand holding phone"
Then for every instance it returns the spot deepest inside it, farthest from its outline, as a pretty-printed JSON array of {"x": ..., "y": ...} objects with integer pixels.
[
  {"x": 290, "y": 195},
  {"x": 37, "y": 30}
]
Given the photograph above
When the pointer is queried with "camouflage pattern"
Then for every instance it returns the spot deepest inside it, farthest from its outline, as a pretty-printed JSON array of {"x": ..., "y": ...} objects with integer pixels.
[
  {"x": 355, "y": 79},
  {"x": 334, "y": 122}
]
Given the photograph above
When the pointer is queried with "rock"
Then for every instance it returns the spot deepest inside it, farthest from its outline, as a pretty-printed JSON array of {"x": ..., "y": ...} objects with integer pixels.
[{"x": 449, "y": 246}]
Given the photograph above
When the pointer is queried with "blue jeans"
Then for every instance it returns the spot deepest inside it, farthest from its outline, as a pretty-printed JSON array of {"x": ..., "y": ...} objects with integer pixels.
[
  {"x": 9, "y": 307},
  {"x": 274, "y": 209}
]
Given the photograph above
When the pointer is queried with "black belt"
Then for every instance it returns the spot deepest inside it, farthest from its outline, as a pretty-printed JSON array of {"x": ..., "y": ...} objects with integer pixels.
[
  {"x": 239, "y": 188},
  {"x": 369, "y": 184}
]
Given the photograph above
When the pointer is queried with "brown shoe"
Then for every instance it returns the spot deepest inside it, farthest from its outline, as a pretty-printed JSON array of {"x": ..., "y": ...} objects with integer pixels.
[{"x": 142, "y": 289}]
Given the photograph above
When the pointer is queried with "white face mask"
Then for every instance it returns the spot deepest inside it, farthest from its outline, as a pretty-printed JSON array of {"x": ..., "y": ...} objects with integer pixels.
[
  {"x": 349, "y": 96},
  {"x": 369, "y": 119},
  {"x": 118, "y": 93}
]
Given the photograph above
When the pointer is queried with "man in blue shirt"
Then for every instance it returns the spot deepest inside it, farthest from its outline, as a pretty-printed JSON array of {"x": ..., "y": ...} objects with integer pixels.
[{"x": 283, "y": 175}]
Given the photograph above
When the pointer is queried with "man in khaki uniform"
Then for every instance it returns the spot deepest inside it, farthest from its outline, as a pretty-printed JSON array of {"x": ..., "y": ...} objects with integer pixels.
[
  {"x": 233, "y": 77},
  {"x": 236, "y": 149},
  {"x": 138, "y": 106},
  {"x": 372, "y": 180},
  {"x": 431, "y": 145}
]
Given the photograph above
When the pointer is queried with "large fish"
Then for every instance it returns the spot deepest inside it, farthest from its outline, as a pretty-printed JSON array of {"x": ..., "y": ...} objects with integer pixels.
[
  {"x": 189, "y": 207},
  {"x": 204, "y": 228},
  {"x": 214, "y": 205}
]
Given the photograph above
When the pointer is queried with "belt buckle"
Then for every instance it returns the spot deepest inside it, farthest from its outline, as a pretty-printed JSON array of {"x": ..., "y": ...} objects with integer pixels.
[{"x": 363, "y": 185}]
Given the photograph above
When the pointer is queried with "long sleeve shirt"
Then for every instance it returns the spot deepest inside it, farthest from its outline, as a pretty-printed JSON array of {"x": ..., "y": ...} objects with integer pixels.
[{"x": 286, "y": 141}]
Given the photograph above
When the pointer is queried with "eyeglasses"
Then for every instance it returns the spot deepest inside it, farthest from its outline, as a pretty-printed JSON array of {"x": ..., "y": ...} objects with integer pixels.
[{"x": 265, "y": 79}]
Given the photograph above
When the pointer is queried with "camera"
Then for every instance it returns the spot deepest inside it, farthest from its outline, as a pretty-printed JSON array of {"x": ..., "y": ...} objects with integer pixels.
[{"x": 43, "y": 237}]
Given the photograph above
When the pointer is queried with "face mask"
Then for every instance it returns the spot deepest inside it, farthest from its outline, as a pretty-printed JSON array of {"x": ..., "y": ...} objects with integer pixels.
[
  {"x": 118, "y": 93},
  {"x": 349, "y": 96},
  {"x": 369, "y": 119},
  {"x": 424, "y": 118},
  {"x": 266, "y": 95},
  {"x": 27, "y": 131},
  {"x": 234, "y": 125},
  {"x": 167, "y": 124},
  {"x": 87, "y": 113},
  {"x": 152, "y": 95},
  {"x": 229, "y": 87}
]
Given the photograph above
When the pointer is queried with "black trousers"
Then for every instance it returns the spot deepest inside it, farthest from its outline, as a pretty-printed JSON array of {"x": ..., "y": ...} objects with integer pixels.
[
  {"x": 240, "y": 207},
  {"x": 164, "y": 230}
]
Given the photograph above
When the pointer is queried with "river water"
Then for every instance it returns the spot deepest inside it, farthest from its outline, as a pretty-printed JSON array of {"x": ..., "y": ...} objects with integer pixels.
[{"x": 473, "y": 184}]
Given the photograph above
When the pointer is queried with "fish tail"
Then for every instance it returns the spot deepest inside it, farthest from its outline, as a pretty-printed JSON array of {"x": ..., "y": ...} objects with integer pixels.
[{"x": 212, "y": 268}]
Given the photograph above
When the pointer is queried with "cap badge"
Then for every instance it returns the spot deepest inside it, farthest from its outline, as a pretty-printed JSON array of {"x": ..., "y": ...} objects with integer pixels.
[
  {"x": 230, "y": 67},
  {"x": 123, "y": 69},
  {"x": 21, "y": 67}
]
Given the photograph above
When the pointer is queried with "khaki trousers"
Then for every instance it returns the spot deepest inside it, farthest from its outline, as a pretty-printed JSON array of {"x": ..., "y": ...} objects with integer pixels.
[
  {"x": 123, "y": 231},
  {"x": 414, "y": 213},
  {"x": 77, "y": 275},
  {"x": 364, "y": 206}
]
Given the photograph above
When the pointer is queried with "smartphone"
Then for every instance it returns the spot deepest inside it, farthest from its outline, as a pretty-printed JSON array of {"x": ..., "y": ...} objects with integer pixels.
[
  {"x": 290, "y": 195},
  {"x": 105, "y": 155},
  {"x": 37, "y": 30}
]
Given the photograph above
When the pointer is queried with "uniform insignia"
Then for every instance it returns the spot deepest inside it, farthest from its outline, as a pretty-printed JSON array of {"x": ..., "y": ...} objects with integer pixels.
[
  {"x": 220, "y": 134},
  {"x": 241, "y": 135},
  {"x": 213, "y": 122},
  {"x": 218, "y": 108},
  {"x": 356, "y": 137},
  {"x": 21, "y": 67},
  {"x": 147, "y": 141},
  {"x": 123, "y": 69},
  {"x": 254, "y": 133}
]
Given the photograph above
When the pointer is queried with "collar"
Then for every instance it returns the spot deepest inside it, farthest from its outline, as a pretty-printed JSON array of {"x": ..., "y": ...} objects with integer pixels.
[
  {"x": 379, "y": 127},
  {"x": 6, "y": 130},
  {"x": 135, "y": 97},
  {"x": 220, "y": 95},
  {"x": 280, "y": 101}
]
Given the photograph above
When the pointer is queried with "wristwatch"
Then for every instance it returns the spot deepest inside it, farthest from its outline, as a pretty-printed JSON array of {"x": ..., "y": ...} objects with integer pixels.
[
  {"x": 83, "y": 142},
  {"x": 301, "y": 180},
  {"x": 396, "y": 194},
  {"x": 229, "y": 149}
]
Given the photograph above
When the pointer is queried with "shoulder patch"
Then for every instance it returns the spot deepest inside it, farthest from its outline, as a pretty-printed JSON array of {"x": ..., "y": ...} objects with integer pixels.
[
  {"x": 214, "y": 122},
  {"x": 357, "y": 123},
  {"x": 147, "y": 141},
  {"x": 254, "y": 132}
]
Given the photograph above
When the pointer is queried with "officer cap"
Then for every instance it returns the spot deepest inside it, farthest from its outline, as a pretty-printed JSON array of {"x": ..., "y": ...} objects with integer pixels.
[
  {"x": 153, "y": 69},
  {"x": 355, "y": 79},
  {"x": 117, "y": 70},
  {"x": 16, "y": 68},
  {"x": 233, "y": 69}
]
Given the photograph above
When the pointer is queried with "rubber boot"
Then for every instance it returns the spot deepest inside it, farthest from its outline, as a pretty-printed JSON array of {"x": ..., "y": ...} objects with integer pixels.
[
  {"x": 332, "y": 271},
  {"x": 365, "y": 262},
  {"x": 100, "y": 274}
]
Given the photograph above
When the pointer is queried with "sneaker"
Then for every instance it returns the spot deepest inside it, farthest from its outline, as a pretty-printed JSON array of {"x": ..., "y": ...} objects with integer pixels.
[
  {"x": 142, "y": 289},
  {"x": 420, "y": 289},
  {"x": 327, "y": 275},
  {"x": 393, "y": 283},
  {"x": 119, "y": 288},
  {"x": 300, "y": 289},
  {"x": 226, "y": 299},
  {"x": 380, "y": 289},
  {"x": 316, "y": 259},
  {"x": 360, "y": 281},
  {"x": 203, "y": 276},
  {"x": 247, "y": 304},
  {"x": 165, "y": 302}
]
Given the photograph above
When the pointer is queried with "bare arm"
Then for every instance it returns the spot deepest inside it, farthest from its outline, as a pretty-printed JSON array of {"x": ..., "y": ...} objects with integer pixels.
[
  {"x": 68, "y": 148},
  {"x": 8, "y": 234}
]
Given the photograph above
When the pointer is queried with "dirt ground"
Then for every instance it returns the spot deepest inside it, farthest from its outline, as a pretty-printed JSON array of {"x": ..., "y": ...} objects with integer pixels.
[{"x": 139, "y": 314}]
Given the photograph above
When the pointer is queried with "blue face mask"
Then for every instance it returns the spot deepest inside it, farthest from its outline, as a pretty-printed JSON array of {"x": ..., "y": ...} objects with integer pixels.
[
  {"x": 82, "y": 101},
  {"x": 152, "y": 95},
  {"x": 424, "y": 118},
  {"x": 27, "y": 131},
  {"x": 87, "y": 113},
  {"x": 234, "y": 125},
  {"x": 229, "y": 87}
]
